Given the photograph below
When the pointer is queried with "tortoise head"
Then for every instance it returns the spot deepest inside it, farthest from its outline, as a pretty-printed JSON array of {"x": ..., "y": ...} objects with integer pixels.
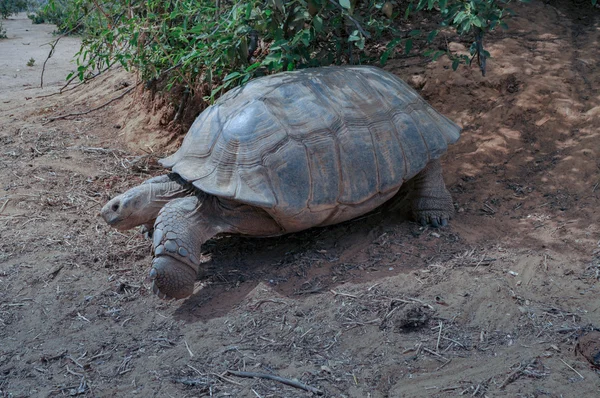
[{"x": 132, "y": 208}]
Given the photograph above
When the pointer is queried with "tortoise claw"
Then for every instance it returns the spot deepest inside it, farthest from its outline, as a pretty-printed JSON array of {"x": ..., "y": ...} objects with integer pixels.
[
  {"x": 435, "y": 221},
  {"x": 147, "y": 230},
  {"x": 158, "y": 293}
]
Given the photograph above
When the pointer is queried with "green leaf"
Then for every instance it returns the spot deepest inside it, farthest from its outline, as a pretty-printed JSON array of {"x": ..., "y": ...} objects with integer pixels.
[
  {"x": 459, "y": 17},
  {"x": 455, "y": 64},
  {"x": 252, "y": 67},
  {"x": 409, "y": 9},
  {"x": 384, "y": 57},
  {"x": 393, "y": 43},
  {"x": 345, "y": 3},
  {"x": 232, "y": 75},
  {"x": 432, "y": 35},
  {"x": 318, "y": 23},
  {"x": 408, "y": 46},
  {"x": 438, "y": 54}
]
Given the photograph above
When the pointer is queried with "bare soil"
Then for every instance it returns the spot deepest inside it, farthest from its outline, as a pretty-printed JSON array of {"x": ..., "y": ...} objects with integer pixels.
[{"x": 492, "y": 305}]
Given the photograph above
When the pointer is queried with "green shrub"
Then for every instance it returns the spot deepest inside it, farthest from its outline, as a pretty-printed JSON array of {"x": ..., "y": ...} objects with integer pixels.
[
  {"x": 59, "y": 13},
  {"x": 212, "y": 43},
  {"x": 36, "y": 19},
  {"x": 207, "y": 47},
  {"x": 10, "y": 7}
]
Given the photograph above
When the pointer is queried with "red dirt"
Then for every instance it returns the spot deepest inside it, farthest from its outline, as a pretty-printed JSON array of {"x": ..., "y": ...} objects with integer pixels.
[{"x": 354, "y": 310}]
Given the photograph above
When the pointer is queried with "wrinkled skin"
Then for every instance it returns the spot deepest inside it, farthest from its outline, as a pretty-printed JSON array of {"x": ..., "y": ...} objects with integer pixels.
[{"x": 140, "y": 205}]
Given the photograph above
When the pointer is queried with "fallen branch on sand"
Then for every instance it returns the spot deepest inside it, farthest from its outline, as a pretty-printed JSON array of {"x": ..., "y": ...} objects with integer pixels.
[
  {"x": 52, "y": 119},
  {"x": 289, "y": 382}
]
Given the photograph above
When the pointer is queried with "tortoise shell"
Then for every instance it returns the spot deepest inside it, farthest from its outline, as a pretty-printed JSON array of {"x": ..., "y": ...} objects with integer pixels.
[{"x": 315, "y": 146}]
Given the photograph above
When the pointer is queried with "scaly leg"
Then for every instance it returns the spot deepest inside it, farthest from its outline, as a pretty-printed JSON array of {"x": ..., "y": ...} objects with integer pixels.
[
  {"x": 431, "y": 202},
  {"x": 181, "y": 228}
]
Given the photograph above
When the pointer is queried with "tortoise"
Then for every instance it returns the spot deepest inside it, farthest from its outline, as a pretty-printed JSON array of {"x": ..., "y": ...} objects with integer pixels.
[{"x": 285, "y": 153}]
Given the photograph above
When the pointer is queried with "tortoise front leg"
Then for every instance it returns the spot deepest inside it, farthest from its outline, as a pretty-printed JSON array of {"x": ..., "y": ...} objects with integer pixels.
[
  {"x": 431, "y": 202},
  {"x": 181, "y": 228},
  {"x": 179, "y": 231}
]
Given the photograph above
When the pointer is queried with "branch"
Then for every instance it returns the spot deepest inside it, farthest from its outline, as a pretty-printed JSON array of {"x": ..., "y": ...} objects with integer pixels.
[
  {"x": 53, "y": 46},
  {"x": 480, "y": 52},
  {"x": 93, "y": 109},
  {"x": 289, "y": 382}
]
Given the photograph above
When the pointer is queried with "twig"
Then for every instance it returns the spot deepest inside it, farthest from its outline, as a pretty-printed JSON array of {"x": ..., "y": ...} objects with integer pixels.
[
  {"x": 454, "y": 341},
  {"x": 257, "y": 305},
  {"x": 73, "y": 372},
  {"x": 435, "y": 353},
  {"x": 343, "y": 294},
  {"x": 53, "y": 46},
  {"x": 289, "y": 382},
  {"x": 52, "y": 119},
  {"x": 75, "y": 362},
  {"x": 227, "y": 379},
  {"x": 450, "y": 388},
  {"x": 573, "y": 369},
  {"x": 4, "y": 205},
  {"x": 188, "y": 348},
  {"x": 191, "y": 382},
  {"x": 413, "y": 300},
  {"x": 516, "y": 373},
  {"x": 437, "y": 346},
  {"x": 103, "y": 12},
  {"x": 82, "y": 317}
]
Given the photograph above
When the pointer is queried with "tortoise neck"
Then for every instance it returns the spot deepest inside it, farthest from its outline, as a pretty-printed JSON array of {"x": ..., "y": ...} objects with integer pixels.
[{"x": 161, "y": 193}]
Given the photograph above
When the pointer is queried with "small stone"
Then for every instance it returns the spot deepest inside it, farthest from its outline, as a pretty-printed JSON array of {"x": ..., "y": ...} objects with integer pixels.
[{"x": 417, "y": 81}]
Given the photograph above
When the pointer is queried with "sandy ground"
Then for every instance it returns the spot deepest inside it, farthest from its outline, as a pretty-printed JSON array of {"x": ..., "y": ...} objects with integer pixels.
[{"x": 492, "y": 305}]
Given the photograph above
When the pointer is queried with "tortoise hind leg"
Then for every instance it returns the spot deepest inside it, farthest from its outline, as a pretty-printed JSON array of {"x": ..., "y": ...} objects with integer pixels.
[{"x": 430, "y": 200}]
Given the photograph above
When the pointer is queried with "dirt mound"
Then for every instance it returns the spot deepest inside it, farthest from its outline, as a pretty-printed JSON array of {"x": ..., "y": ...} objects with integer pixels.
[{"x": 493, "y": 305}]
